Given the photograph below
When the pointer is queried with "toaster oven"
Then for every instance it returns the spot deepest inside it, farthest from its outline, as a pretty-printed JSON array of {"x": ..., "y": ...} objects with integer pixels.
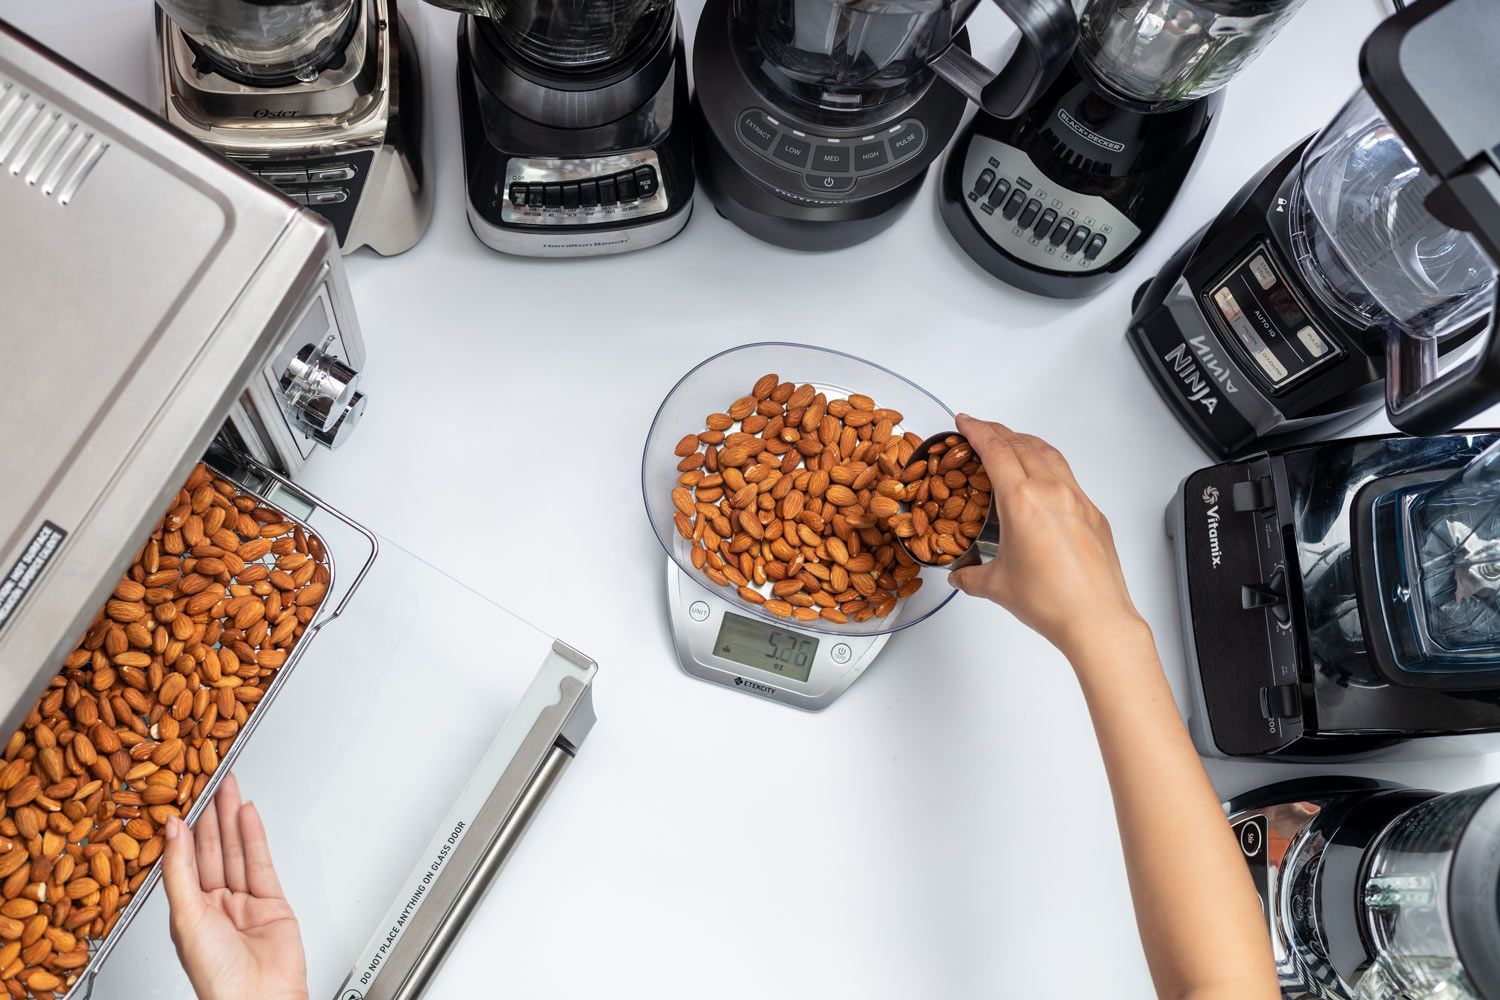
[{"x": 160, "y": 308}]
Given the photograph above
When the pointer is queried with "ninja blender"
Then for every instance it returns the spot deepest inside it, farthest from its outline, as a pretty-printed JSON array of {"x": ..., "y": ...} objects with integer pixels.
[
  {"x": 1360, "y": 264},
  {"x": 817, "y": 119},
  {"x": 571, "y": 113},
  {"x": 322, "y": 99},
  {"x": 1057, "y": 200},
  {"x": 1376, "y": 891}
]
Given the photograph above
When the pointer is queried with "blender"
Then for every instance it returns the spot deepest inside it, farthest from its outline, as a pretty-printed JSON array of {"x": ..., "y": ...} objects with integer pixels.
[
  {"x": 1376, "y": 891},
  {"x": 817, "y": 119},
  {"x": 569, "y": 118},
  {"x": 1059, "y": 199},
  {"x": 1361, "y": 264},
  {"x": 322, "y": 99},
  {"x": 720, "y": 635}
]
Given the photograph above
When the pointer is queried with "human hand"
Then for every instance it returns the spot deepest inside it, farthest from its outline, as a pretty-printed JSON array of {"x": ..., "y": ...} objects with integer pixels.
[
  {"x": 235, "y": 933},
  {"x": 1056, "y": 569}
]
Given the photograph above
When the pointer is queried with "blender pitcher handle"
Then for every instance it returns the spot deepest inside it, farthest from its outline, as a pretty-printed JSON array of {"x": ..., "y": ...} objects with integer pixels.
[{"x": 1048, "y": 28}]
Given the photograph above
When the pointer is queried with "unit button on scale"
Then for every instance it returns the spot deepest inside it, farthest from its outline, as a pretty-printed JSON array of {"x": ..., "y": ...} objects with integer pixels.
[
  {"x": 830, "y": 164},
  {"x": 1035, "y": 221}
]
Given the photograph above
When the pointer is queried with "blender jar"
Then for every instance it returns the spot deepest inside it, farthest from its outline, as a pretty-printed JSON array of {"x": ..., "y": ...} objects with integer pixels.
[
  {"x": 266, "y": 42},
  {"x": 723, "y": 378},
  {"x": 1174, "y": 51},
  {"x": 1373, "y": 253},
  {"x": 1430, "y": 903},
  {"x": 568, "y": 34}
]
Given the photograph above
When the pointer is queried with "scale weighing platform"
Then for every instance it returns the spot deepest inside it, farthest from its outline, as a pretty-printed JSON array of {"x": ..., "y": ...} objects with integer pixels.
[{"x": 716, "y": 642}]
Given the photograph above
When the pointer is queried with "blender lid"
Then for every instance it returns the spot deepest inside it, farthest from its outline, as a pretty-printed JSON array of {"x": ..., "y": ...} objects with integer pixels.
[{"x": 1474, "y": 897}]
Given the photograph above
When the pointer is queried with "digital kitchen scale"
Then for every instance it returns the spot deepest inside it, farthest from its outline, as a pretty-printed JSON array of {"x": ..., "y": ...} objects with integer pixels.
[
  {"x": 716, "y": 641},
  {"x": 721, "y": 637}
]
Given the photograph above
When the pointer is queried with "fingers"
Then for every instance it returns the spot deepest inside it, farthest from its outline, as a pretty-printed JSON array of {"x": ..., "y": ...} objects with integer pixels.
[
  {"x": 227, "y": 802},
  {"x": 991, "y": 442},
  {"x": 260, "y": 874},
  {"x": 179, "y": 872},
  {"x": 209, "y": 850},
  {"x": 966, "y": 579}
]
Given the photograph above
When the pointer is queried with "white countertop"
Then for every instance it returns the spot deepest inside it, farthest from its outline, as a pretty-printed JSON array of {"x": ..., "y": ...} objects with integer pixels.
[{"x": 944, "y": 830}]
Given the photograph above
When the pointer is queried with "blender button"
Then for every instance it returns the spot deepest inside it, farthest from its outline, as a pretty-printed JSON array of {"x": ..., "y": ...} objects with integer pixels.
[
  {"x": 1064, "y": 227},
  {"x": 645, "y": 181},
  {"x": 698, "y": 611},
  {"x": 829, "y": 182},
  {"x": 607, "y": 194},
  {"x": 283, "y": 176},
  {"x": 327, "y": 196},
  {"x": 1045, "y": 223},
  {"x": 790, "y": 149},
  {"x": 588, "y": 193},
  {"x": 518, "y": 195},
  {"x": 625, "y": 184},
  {"x": 1028, "y": 216},
  {"x": 870, "y": 156},
  {"x": 535, "y": 196},
  {"x": 1250, "y": 839},
  {"x": 756, "y": 130},
  {"x": 298, "y": 196},
  {"x": 908, "y": 140},
  {"x": 841, "y": 653},
  {"x": 1017, "y": 199},
  {"x": 986, "y": 178},
  {"x": 552, "y": 195},
  {"x": 570, "y": 195},
  {"x": 997, "y": 194},
  {"x": 831, "y": 159},
  {"x": 1095, "y": 247},
  {"x": 1078, "y": 239},
  {"x": 336, "y": 172}
]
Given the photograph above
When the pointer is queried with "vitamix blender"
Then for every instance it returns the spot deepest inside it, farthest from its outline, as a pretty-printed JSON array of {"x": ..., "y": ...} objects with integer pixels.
[
  {"x": 817, "y": 119},
  {"x": 1376, "y": 891},
  {"x": 574, "y": 124},
  {"x": 1060, "y": 198},
  {"x": 322, "y": 99},
  {"x": 1362, "y": 261}
]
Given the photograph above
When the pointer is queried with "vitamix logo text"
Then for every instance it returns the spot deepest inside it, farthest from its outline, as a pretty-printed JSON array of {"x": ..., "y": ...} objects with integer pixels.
[
  {"x": 1200, "y": 371},
  {"x": 1211, "y": 501}
]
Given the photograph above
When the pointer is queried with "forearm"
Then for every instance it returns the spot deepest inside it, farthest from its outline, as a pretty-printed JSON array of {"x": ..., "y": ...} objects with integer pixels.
[{"x": 1196, "y": 908}]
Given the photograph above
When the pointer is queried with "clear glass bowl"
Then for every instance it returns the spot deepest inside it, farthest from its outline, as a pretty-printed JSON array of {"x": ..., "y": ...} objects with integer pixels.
[{"x": 723, "y": 378}]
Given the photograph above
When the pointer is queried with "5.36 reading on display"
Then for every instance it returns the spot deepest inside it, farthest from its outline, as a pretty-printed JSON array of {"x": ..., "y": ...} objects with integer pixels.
[{"x": 789, "y": 654}]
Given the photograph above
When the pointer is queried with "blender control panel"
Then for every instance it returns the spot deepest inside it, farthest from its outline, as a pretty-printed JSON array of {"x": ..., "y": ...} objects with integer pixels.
[
  {"x": 1255, "y": 305},
  {"x": 1036, "y": 221},
  {"x": 830, "y": 165},
  {"x": 587, "y": 191},
  {"x": 330, "y": 186}
]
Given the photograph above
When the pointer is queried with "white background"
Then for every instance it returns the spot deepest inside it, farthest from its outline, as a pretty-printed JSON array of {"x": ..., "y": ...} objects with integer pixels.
[{"x": 944, "y": 830}]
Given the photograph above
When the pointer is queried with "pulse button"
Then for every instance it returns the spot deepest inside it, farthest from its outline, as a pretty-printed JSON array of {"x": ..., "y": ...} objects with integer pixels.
[
  {"x": 518, "y": 195},
  {"x": 645, "y": 181}
]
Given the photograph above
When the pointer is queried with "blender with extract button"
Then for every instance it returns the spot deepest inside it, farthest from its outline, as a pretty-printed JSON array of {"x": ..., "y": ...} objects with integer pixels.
[
  {"x": 573, "y": 119},
  {"x": 817, "y": 119},
  {"x": 322, "y": 99},
  {"x": 1059, "y": 199},
  {"x": 1357, "y": 269}
]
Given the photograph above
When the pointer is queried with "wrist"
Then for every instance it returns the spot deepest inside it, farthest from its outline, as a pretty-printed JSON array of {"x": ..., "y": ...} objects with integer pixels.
[{"x": 1106, "y": 643}]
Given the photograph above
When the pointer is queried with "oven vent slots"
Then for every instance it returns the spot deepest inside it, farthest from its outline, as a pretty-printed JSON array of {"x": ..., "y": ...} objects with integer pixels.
[{"x": 50, "y": 151}]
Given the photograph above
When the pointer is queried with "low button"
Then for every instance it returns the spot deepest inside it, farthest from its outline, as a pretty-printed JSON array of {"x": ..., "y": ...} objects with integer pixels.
[
  {"x": 645, "y": 181},
  {"x": 831, "y": 159},
  {"x": 1017, "y": 199},
  {"x": 790, "y": 149},
  {"x": 1029, "y": 214},
  {"x": 1095, "y": 247},
  {"x": 698, "y": 611},
  {"x": 829, "y": 182},
  {"x": 756, "y": 130},
  {"x": 870, "y": 156},
  {"x": 1060, "y": 234},
  {"x": 1078, "y": 239},
  {"x": 907, "y": 140},
  {"x": 1045, "y": 223}
]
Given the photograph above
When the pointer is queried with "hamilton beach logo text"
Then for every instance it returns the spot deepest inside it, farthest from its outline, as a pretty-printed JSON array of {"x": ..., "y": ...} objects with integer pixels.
[
  {"x": 1088, "y": 133},
  {"x": 753, "y": 685},
  {"x": 1199, "y": 370},
  {"x": 1211, "y": 500}
]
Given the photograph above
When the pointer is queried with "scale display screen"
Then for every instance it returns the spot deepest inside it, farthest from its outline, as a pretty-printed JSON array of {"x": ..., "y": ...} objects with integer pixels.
[
  {"x": 774, "y": 650},
  {"x": 1256, "y": 304}
]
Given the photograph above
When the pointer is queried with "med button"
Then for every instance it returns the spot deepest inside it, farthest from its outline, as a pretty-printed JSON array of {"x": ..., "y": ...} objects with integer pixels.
[{"x": 831, "y": 159}]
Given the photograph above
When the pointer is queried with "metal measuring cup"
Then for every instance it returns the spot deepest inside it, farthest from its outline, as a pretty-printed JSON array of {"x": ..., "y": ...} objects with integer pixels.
[{"x": 983, "y": 548}]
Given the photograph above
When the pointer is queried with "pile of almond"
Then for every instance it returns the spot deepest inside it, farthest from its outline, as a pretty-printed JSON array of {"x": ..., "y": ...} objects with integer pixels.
[
  {"x": 949, "y": 497},
  {"x": 143, "y": 711},
  {"x": 789, "y": 498}
]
